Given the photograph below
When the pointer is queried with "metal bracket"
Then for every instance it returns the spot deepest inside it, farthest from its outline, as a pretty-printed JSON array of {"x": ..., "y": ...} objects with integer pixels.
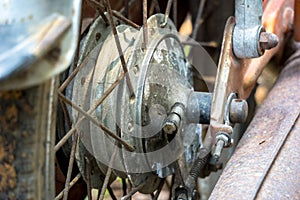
[{"x": 250, "y": 40}]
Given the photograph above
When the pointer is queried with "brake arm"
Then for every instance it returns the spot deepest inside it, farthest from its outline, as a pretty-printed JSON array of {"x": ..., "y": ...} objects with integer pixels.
[{"x": 238, "y": 77}]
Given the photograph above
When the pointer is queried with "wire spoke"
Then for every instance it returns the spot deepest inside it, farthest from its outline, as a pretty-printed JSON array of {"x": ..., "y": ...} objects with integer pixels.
[
  {"x": 70, "y": 167},
  {"x": 154, "y": 6},
  {"x": 133, "y": 191},
  {"x": 145, "y": 31},
  {"x": 118, "y": 44},
  {"x": 94, "y": 121},
  {"x": 124, "y": 186},
  {"x": 111, "y": 193},
  {"x": 131, "y": 2},
  {"x": 65, "y": 84},
  {"x": 100, "y": 8},
  {"x": 125, "y": 20},
  {"x": 167, "y": 13},
  {"x": 197, "y": 22},
  {"x": 104, "y": 96},
  {"x": 88, "y": 177},
  {"x": 126, "y": 8},
  {"x": 117, "y": 15},
  {"x": 160, "y": 186},
  {"x": 72, "y": 183},
  {"x": 175, "y": 12},
  {"x": 108, "y": 174}
]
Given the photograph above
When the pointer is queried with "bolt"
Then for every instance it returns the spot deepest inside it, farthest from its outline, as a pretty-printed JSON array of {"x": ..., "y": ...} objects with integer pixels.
[
  {"x": 267, "y": 40},
  {"x": 173, "y": 120},
  {"x": 223, "y": 140},
  {"x": 238, "y": 111},
  {"x": 218, "y": 149},
  {"x": 171, "y": 124}
]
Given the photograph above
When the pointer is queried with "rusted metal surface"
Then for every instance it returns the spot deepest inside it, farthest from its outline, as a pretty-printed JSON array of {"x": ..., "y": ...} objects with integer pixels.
[{"x": 265, "y": 164}]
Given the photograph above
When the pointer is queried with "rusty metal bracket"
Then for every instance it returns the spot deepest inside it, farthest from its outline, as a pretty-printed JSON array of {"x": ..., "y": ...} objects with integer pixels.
[
  {"x": 240, "y": 75},
  {"x": 265, "y": 164}
]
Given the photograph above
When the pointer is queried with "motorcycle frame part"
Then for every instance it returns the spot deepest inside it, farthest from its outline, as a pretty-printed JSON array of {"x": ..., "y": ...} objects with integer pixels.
[
  {"x": 265, "y": 162},
  {"x": 246, "y": 33},
  {"x": 240, "y": 75},
  {"x": 43, "y": 34}
]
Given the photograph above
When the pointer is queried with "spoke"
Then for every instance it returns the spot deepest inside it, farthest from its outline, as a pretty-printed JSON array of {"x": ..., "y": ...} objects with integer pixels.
[
  {"x": 73, "y": 74},
  {"x": 178, "y": 176},
  {"x": 71, "y": 132},
  {"x": 66, "y": 114},
  {"x": 197, "y": 22},
  {"x": 124, "y": 186},
  {"x": 70, "y": 167},
  {"x": 145, "y": 31},
  {"x": 154, "y": 5},
  {"x": 167, "y": 13},
  {"x": 111, "y": 193},
  {"x": 131, "y": 2},
  {"x": 72, "y": 183},
  {"x": 133, "y": 191},
  {"x": 171, "y": 187},
  {"x": 100, "y": 8},
  {"x": 117, "y": 40},
  {"x": 88, "y": 176},
  {"x": 117, "y": 15},
  {"x": 160, "y": 186},
  {"x": 175, "y": 12},
  {"x": 125, "y": 20},
  {"x": 108, "y": 173},
  {"x": 94, "y": 121},
  {"x": 126, "y": 8}
]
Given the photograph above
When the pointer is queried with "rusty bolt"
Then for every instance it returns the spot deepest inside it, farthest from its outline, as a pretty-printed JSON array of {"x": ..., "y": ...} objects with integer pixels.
[
  {"x": 223, "y": 140},
  {"x": 267, "y": 40},
  {"x": 238, "y": 111}
]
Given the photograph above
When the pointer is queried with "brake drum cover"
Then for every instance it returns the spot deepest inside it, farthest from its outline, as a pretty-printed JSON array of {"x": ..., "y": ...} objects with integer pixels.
[{"x": 159, "y": 75}]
